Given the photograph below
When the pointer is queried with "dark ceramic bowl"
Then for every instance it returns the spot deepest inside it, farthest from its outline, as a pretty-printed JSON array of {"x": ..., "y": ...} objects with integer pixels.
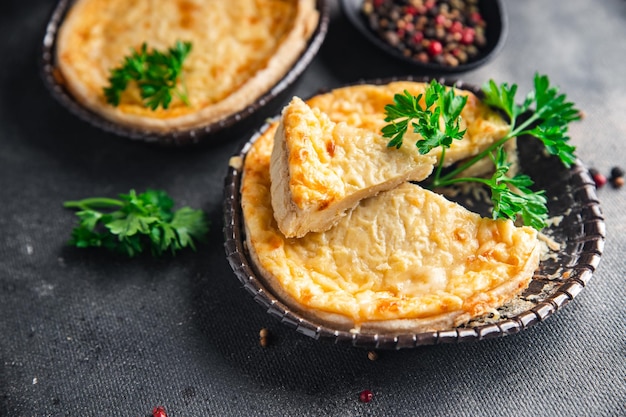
[
  {"x": 233, "y": 124},
  {"x": 493, "y": 12},
  {"x": 571, "y": 197}
]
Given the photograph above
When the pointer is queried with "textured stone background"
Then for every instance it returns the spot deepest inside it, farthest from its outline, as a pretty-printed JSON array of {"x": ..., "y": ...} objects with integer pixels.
[{"x": 88, "y": 334}]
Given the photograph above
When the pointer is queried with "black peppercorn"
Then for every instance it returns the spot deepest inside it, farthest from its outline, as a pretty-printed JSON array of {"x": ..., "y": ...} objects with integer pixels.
[
  {"x": 617, "y": 177},
  {"x": 617, "y": 172}
]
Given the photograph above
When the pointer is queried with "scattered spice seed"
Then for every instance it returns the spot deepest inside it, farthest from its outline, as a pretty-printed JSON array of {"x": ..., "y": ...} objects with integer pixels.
[
  {"x": 264, "y": 336},
  {"x": 617, "y": 182},
  {"x": 617, "y": 172},
  {"x": 598, "y": 178},
  {"x": 366, "y": 396},
  {"x": 159, "y": 412},
  {"x": 435, "y": 48},
  {"x": 617, "y": 177},
  {"x": 372, "y": 355}
]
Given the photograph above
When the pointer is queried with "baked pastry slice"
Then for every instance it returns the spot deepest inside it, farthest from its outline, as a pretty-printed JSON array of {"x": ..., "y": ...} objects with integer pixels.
[
  {"x": 321, "y": 169},
  {"x": 405, "y": 260}
]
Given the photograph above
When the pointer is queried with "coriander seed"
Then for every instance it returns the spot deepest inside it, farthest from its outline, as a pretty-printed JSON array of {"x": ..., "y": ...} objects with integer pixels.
[{"x": 264, "y": 336}]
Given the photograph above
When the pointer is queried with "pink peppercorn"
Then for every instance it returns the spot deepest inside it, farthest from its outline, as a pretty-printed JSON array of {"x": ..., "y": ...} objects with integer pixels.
[
  {"x": 412, "y": 10},
  {"x": 418, "y": 37},
  {"x": 476, "y": 17},
  {"x": 159, "y": 412},
  {"x": 456, "y": 27},
  {"x": 599, "y": 179},
  {"x": 467, "y": 36},
  {"x": 366, "y": 396},
  {"x": 435, "y": 48}
]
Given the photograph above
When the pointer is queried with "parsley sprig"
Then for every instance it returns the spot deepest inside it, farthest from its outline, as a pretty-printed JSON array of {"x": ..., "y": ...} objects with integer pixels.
[
  {"x": 136, "y": 222},
  {"x": 425, "y": 121},
  {"x": 155, "y": 73},
  {"x": 548, "y": 122}
]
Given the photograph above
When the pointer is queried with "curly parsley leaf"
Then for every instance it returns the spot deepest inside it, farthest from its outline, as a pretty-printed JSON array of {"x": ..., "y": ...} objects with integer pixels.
[
  {"x": 156, "y": 74},
  {"x": 405, "y": 107},
  {"x": 442, "y": 107},
  {"x": 551, "y": 116},
  {"x": 512, "y": 196},
  {"x": 502, "y": 97},
  {"x": 137, "y": 222}
]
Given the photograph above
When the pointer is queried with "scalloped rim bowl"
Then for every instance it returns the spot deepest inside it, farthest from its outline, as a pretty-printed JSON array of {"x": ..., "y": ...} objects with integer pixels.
[
  {"x": 225, "y": 127},
  {"x": 556, "y": 283}
]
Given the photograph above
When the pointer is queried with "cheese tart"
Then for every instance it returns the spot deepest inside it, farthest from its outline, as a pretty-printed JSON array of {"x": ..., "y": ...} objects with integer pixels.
[
  {"x": 240, "y": 49},
  {"x": 320, "y": 169},
  {"x": 404, "y": 260}
]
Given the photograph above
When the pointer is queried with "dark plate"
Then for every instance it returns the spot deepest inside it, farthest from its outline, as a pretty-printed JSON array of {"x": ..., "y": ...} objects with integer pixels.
[
  {"x": 581, "y": 231},
  {"x": 228, "y": 126},
  {"x": 493, "y": 13}
]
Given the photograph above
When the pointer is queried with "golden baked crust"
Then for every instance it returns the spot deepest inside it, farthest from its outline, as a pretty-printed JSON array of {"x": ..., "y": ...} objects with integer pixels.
[
  {"x": 321, "y": 169},
  {"x": 241, "y": 48},
  {"x": 405, "y": 260},
  {"x": 364, "y": 106}
]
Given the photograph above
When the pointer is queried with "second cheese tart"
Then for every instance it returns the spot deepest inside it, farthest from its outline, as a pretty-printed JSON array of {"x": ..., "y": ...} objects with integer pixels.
[{"x": 240, "y": 49}]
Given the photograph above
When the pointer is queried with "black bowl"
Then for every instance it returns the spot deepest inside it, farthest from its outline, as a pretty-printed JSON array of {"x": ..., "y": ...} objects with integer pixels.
[
  {"x": 233, "y": 124},
  {"x": 493, "y": 12},
  {"x": 572, "y": 198}
]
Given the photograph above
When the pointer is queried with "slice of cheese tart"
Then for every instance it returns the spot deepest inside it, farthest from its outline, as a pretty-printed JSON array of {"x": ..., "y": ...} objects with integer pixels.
[
  {"x": 404, "y": 260},
  {"x": 321, "y": 169},
  {"x": 330, "y": 152}
]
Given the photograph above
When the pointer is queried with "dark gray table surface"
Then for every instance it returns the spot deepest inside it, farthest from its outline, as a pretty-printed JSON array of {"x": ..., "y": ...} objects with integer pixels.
[{"x": 88, "y": 334}]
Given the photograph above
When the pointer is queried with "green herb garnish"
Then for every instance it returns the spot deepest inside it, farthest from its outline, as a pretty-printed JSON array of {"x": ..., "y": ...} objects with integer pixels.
[
  {"x": 135, "y": 222},
  {"x": 155, "y": 73},
  {"x": 425, "y": 121},
  {"x": 438, "y": 125}
]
